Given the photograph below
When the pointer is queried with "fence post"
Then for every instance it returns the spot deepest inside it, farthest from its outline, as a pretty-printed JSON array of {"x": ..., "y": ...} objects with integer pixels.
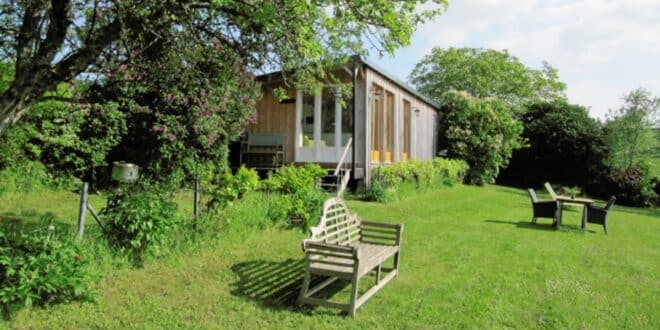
[
  {"x": 196, "y": 198},
  {"x": 83, "y": 210}
]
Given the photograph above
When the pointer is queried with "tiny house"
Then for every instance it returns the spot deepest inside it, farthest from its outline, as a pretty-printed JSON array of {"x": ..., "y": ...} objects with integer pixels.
[{"x": 382, "y": 122}]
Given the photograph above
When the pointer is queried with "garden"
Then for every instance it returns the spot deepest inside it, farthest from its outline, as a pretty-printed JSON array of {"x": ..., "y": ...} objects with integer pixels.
[{"x": 194, "y": 242}]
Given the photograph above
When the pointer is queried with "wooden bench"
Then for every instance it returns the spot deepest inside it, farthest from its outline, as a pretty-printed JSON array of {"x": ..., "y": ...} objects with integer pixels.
[
  {"x": 344, "y": 247},
  {"x": 264, "y": 151}
]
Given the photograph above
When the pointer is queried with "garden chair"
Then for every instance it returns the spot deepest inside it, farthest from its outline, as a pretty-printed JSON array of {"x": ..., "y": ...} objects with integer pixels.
[
  {"x": 597, "y": 214},
  {"x": 543, "y": 208}
]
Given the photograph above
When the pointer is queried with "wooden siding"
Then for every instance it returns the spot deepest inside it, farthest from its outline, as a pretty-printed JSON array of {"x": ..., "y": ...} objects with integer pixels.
[
  {"x": 422, "y": 124},
  {"x": 276, "y": 117}
]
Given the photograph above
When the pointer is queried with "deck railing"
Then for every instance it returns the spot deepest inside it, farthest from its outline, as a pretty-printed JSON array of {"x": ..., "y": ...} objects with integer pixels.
[{"x": 342, "y": 173}]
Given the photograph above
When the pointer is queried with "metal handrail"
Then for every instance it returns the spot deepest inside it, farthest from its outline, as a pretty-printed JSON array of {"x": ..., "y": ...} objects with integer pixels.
[{"x": 343, "y": 156}]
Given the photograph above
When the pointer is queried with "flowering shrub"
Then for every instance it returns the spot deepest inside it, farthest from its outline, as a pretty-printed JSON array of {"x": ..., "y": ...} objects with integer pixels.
[{"x": 41, "y": 268}]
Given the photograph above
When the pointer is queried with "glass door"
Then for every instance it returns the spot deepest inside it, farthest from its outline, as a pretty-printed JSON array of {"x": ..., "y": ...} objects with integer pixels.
[{"x": 324, "y": 124}]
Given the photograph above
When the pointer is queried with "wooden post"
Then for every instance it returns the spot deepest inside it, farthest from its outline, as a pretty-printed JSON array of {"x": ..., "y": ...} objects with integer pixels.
[
  {"x": 196, "y": 198},
  {"x": 83, "y": 210}
]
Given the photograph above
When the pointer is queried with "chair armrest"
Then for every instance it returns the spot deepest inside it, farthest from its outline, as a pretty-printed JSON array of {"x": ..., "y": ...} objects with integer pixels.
[
  {"x": 312, "y": 248},
  {"x": 389, "y": 232}
]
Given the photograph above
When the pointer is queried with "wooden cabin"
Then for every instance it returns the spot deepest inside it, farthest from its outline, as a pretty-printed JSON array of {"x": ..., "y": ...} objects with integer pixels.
[{"x": 385, "y": 120}]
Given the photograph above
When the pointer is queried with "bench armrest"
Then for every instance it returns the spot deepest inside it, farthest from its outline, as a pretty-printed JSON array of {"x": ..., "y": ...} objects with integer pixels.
[
  {"x": 380, "y": 232},
  {"x": 320, "y": 250}
]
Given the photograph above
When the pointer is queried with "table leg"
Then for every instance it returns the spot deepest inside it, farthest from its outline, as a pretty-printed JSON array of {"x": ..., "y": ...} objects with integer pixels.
[
  {"x": 584, "y": 218},
  {"x": 560, "y": 207}
]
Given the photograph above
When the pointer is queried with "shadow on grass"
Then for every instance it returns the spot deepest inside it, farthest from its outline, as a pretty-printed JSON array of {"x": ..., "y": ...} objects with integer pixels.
[
  {"x": 31, "y": 220},
  {"x": 276, "y": 285},
  {"x": 541, "y": 226}
]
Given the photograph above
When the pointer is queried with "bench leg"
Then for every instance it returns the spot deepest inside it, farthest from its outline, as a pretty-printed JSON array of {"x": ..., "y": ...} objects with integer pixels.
[
  {"x": 354, "y": 295},
  {"x": 304, "y": 288},
  {"x": 397, "y": 261},
  {"x": 378, "y": 274}
]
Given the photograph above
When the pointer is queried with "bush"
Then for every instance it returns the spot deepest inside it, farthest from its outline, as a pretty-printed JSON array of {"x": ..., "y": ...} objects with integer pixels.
[
  {"x": 31, "y": 176},
  {"x": 41, "y": 268},
  {"x": 565, "y": 146},
  {"x": 70, "y": 140},
  {"x": 302, "y": 200},
  {"x": 228, "y": 188},
  {"x": 388, "y": 180},
  {"x": 633, "y": 186},
  {"x": 139, "y": 220},
  {"x": 484, "y": 133}
]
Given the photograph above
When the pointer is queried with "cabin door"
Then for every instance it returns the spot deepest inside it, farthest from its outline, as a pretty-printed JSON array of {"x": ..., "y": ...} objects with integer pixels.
[{"x": 324, "y": 126}]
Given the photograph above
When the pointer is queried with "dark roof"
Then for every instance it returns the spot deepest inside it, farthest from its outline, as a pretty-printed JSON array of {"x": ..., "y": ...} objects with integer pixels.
[{"x": 381, "y": 71}]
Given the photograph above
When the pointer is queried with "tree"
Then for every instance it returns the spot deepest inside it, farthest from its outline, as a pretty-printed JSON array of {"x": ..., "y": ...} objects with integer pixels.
[
  {"x": 485, "y": 73},
  {"x": 55, "y": 41},
  {"x": 484, "y": 133},
  {"x": 630, "y": 128},
  {"x": 564, "y": 146}
]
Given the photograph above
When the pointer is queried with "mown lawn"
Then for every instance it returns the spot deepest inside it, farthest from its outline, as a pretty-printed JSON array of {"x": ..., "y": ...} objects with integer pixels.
[{"x": 470, "y": 259}]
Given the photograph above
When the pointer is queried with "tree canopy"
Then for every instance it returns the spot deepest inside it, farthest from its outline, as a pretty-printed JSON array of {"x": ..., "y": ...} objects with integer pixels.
[
  {"x": 55, "y": 41},
  {"x": 630, "y": 128},
  {"x": 485, "y": 73}
]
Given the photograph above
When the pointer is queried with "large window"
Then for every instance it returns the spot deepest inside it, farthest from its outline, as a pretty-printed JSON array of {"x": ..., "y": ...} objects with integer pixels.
[
  {"x": 388, "y": 143},
  {"x": 307, "y": 121},
  {"x": 346, "y": 119},
  {"x": 406, "y": 130},
  {"x": 376, "y": 122},
  {"x": 328, "y": 103}
]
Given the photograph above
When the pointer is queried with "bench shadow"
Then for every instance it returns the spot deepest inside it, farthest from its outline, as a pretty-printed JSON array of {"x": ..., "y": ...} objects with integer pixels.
[
  {"x": 276, "y": 285},
  {"x": 541, "y": 226}
]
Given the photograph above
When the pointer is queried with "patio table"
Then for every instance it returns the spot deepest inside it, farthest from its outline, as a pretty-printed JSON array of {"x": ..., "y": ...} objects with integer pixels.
[{"x": 568, "y": 199}]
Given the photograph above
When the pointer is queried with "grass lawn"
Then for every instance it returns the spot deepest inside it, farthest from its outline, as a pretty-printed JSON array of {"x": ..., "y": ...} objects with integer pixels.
[{"x": 470, "y": 258}]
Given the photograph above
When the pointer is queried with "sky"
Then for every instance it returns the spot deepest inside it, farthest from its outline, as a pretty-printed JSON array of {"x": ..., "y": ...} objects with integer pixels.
[{"x": 602, "y": 48}]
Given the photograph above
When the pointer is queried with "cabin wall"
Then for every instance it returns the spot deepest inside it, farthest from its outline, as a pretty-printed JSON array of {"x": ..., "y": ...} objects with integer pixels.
[
  {"x": 274, "y": 116},
  {"x": 421, "y": 130}
]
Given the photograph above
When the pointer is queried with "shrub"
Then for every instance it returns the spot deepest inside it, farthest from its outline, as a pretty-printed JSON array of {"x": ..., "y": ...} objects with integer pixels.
[
  {"x": 484, "y": 133},
  {"x": 633, "y": 186},
  {"x": 565, "y": 146},
  {"x": 387, "y": 180},
  {"x": 301, "y": 200},
  {"x": 70, "y": 140},
  {"x": 41, "y": 268},
  {"x": 139, "y": 220},
  {"x": 230, "y": 187}
]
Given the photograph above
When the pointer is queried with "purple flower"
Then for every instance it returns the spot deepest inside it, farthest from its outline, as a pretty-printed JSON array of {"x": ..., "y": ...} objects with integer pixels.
[{"x": 254, "y": 118}]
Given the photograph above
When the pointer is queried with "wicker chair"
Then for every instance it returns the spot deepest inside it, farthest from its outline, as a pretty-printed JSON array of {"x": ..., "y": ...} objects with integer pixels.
[
  {"x": 543, "y": 208},
  {"x": 597, "y": 214}
]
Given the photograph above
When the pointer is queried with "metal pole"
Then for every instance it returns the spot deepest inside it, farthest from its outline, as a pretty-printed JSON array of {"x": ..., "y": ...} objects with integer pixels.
[
  {"x": 83, "y": 210},
  {"x": 196, "y": 198}
]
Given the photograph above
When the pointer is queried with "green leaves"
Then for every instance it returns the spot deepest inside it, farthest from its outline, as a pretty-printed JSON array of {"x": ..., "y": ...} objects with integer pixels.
[
  {"x": 139, "y": 220},
  {"x": 41, "y": 268},
  {"x": 484, "y": 133},
  {"x": 485, "y": 73}
]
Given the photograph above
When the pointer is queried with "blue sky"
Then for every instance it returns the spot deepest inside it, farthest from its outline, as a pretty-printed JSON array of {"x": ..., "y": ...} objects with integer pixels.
[{"x": 601, "y": 48}]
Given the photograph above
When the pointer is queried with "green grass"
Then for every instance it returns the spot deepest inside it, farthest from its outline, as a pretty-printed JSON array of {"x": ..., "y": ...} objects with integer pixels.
[{"x": 470, "y": 259}]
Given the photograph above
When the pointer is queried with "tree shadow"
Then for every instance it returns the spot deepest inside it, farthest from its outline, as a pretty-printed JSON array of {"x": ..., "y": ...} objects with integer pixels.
[
  {"x": 542, "y": 226},
  {"x": 276, "y": 285}
]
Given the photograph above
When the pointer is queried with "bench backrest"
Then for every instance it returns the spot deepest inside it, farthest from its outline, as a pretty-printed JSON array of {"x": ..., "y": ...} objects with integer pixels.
[
  {"x": 337, "y": 226},
  {"x": 266, "y": 140}
]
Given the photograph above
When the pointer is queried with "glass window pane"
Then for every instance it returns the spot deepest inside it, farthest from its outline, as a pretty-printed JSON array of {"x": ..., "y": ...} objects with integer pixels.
[
  {"x": 328, "y": 101},
  {"x": 307, "y": 121},
  {"x": 346, "y": 119}
]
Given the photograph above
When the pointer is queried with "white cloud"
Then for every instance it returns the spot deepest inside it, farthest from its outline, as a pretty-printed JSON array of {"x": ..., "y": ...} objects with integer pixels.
[{"x": 602, "y": 48}]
